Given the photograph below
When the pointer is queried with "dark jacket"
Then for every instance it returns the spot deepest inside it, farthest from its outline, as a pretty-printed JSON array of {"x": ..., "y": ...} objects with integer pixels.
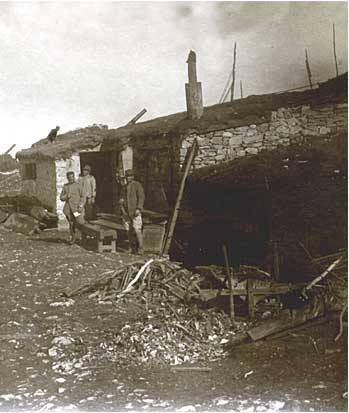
[{"x": 134, "y": 197}]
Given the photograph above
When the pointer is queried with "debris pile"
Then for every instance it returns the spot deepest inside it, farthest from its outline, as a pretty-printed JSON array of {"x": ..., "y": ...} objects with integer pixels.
[
  {"x": 175, "y": 330},
  {"x": 25, "y": 215},
  {"x": 185, "y": 335}
]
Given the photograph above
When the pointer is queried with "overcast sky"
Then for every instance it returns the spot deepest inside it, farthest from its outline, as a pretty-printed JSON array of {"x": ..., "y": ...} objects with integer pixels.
[{"x": 74, "y": 64}]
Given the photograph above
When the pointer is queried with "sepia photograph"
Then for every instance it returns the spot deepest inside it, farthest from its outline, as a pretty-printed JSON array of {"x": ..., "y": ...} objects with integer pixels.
[{"x": 174, "y": 206}]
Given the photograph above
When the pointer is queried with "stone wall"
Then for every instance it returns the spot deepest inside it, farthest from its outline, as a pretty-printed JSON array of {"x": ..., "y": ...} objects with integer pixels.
[
  {"x": 62, "y": 167},
  {"x": 286, "y": 126},
  {"x": 44, "y": 186}
]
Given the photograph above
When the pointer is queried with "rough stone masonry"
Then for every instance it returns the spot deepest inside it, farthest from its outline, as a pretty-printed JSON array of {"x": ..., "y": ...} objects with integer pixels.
[{"x": 286, "y": 126}]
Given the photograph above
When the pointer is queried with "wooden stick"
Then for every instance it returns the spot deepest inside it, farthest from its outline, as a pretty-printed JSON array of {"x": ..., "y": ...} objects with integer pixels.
[
  {"x": 276, "y": 261},
  {"x": 308, "y": 69},
  {"x": 10, "y": 149},
  {"x": 230, "y": 282},
  {"x": 341, "y": 323},
  {"x": 140, "y": 272},
  {"x": 242, "y": 96},
  {"x": 226, "y": 88},
  {"x": 233, "y": 74},
  {"x": 170, "y": 232},
  {"x": 191, "y": 368},
  {"x": 334, "y": 48},
  {"x": 323, "y": 275}
]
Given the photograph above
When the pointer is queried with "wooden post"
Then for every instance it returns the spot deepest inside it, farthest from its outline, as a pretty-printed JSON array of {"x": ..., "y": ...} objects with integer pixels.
[
  {"x": 242, "y": 96},
  {"x": 308, "y": 69},
  {"x": 233, "y": 74},
  {"x": 193, "y": 91},
  {"x": 276, "y": 261},
  {"x": 230, "y": 276},
  {"x": 250, "y": 298},
  {"x": 334, "y": 48},
  {"x": 170, "y": 232}
]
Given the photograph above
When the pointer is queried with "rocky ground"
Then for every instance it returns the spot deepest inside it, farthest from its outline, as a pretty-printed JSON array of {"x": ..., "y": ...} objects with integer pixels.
[{"x": 46, "y": 341}]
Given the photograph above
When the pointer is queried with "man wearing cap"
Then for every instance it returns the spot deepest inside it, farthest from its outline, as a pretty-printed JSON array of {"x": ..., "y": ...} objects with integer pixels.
[
  {"x": 88, "y": 183},
  {"x": 131, "y": 205},
  {"x": 74, "y": 197}
]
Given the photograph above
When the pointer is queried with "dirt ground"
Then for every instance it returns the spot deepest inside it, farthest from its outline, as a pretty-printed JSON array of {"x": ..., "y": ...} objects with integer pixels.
[{"x": 303, "y": 372}]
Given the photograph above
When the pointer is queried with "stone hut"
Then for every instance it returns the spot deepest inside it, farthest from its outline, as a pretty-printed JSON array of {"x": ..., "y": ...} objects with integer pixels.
[
  {"x": 225, "y": 132},
  {"x": 43, "y": 167}
]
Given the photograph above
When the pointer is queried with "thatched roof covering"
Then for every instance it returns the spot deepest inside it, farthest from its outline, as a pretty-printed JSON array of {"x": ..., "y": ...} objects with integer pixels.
[
  {"x": 65, "y": 144},
  {"x": 241, "y": 112},
  {"x": 251, "y": 110}
]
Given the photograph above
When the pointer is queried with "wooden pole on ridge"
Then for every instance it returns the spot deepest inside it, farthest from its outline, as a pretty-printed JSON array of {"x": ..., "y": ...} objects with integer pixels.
[
  {"x": 233, "y": 74},
  {"x": 242, "y": 96},
  {"x": 308, "y": 68},
  {"x": 334, "y": 48}
]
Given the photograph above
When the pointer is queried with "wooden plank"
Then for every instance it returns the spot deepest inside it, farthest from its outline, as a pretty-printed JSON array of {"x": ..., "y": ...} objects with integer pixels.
[
  {"x": 285, "y": 321},
  {"x": 257, "y": 291},
  {"x": 109, "y": 224},
  {"x": 230, "y": 282},
  {"x": 250, "y": 298}
]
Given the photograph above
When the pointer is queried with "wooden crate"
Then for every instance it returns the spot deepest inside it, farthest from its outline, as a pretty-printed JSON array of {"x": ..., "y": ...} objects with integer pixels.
[{"x": 153, "y": 237}]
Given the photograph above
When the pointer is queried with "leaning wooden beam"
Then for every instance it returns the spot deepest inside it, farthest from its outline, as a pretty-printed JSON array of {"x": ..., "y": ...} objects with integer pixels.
[
  {"x": 10, "y": 149},
  {"x": 230, "y": 283},
  {"x": 323, "y": 275},
  {"x": 284, "y": 322},
  {"x": 137, "y": 117},
  {"x": 170, "y": 232}
]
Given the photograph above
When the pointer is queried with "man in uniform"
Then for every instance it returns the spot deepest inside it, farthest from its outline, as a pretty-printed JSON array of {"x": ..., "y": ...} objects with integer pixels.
[
  {"x": 88, "y": 183},
  {"x": 131, "y": 205},
  {"x": 53, "y": 134},
  {"x": 75, "y": 198}
]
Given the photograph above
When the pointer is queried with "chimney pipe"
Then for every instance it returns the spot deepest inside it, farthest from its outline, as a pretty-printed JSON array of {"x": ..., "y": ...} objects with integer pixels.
[{"x": 193, "y": 90}]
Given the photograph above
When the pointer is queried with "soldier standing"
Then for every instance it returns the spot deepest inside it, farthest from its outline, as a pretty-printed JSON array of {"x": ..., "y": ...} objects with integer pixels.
[
  {"x": 131, "y": 205},
  {"x": 75, "y": 198},
  {"x": 88, "y": 183}
]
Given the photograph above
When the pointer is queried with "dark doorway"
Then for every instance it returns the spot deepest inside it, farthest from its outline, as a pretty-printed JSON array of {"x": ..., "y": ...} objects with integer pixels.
[{"x": 103, "y": 168}]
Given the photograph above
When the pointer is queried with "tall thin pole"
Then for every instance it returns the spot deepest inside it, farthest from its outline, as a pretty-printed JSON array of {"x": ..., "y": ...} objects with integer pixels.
[
  {"x": 334, "y": 48},
  {"x": 242, "y": 96},
  {"x": 308, "y": 68},
  {"x": 173, "y": 221},
  {"x": 233, "y": 73}
]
